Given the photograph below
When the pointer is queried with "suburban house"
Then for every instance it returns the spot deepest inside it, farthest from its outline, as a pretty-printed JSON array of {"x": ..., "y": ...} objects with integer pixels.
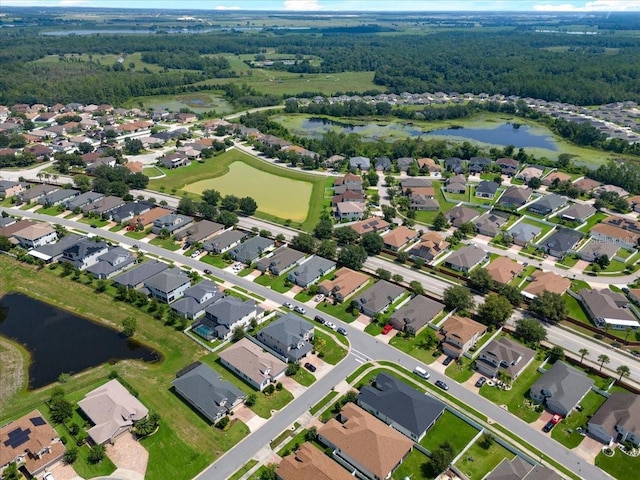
[
  {"x": 417, "y": 185},
  {"x": 519, "y": 469},
  {"x": 503, "y": 269},
  {"x": 35, "y": 236},
  {"x": 383, "y": 164},
  {"x": 479, "y": 164},
  {"x": 515, "y": 197},
  {"x": 126, "y": 212},
  {"x": 465, "y": 259},
  {"x": 199, "y": 232},
  {"x": 309, "y": 462},
  {"x": 459, "y": 215},
  {"x": 505, "y": 356},
  {"x": 398, "y": 237},
  {"x": 36, "y": 192},
  {"x": 168, "y": 285},
  {"x": 454, "y": 164},
  {"x": 227, "y": 314},
  {"x": 586, "y": 184},
  {"x": 58, "y": 197},
  {"x": 400, "y": 406},
  {"x": 428, "y": 165},
  {"x": 251, "y": 363},
  {"x": 356, "y": 196},
  {"x": 250, "y": 250},
  {"x": 289, "y": 336},
  {"x": 135, "y": 277},
  {"x": 104, "y": 207},
  {"x": 310, "y": 271},
  {"x": 116, "y": 260},
  {"x": 610, "y": 189},
  {"x": 360, "y": 163},
  {"x": 547, "y": 204},
  {"x": 556, "y": 177},
  {"x": 345, "y": 283},
  {"x": 171, "y": 222},
  {"x": 364, "y": 442},
  {"x": 404, "y": 163},
  {"x": 459, "y": 335},
  {"x": 578, "y": 212},
  {"x": 430, "y": 246},
  {"x": 561, "y": 242},
  {"x": 373, "y": 224},
  {"x": 112, "y": 410},
  {"x": 282, "y": 259},
  {"x": 350, "y": 211},
  {"x": 421, "y": 201},
  {"x": 207, "y": 392},
  {"x": 594, "y": 249},
  {"x": 549, "y": 281},
  {"x": 31, "y": 442},
  {"x": 489, "y": 223},
  {"x": 174, "y": 160},
  {"x": 11, "y": 226},
  {"x": 224, "y": 242},
  {"x": 84, "y": 199},
  {"x": 53, "y": 251},
  {"x": 196, "y": 299},
  {"x": 561, "y": 388},
  {"x": 486, "y": 189},
  {"x": 84, "y": 253},
  {"x": 509, "y": 166},
  {"x": 10, "y": 189},
  {"x": 608, "y": 309},
  {"x": 349, "y": 182},
  {"x": 456, "y": 184},
  {"x": 605, "y": 232},
  {"x": 529, "y": 172},
  {"x": 144, "y": 220},
  {"x": 379, "y": 297},
  {"x": 523, "y": 233},
  {"x": 617, "y": 420},
  {"x": 414, "y": 315}
]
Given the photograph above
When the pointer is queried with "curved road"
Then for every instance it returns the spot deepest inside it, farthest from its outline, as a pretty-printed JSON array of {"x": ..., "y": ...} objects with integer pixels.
[{"x": 363, "y": 347}]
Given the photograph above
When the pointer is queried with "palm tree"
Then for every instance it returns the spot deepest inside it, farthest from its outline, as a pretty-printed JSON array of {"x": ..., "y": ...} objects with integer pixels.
[
  {"x": 603, "y": 359},
  {"x": 583, "y": 353},
  {"x": 623, "y": 371},
  {"x": 627, "y": 331}
]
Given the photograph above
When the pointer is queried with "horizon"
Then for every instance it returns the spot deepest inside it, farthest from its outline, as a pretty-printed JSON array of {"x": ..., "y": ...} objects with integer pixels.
[{"x": 332, "y": 6}]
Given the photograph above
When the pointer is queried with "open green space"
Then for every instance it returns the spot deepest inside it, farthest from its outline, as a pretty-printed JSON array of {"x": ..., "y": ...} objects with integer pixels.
[
  {"x": 575, "y": 310},
  {"x": 565, "y": 432},
  {"x": 167, "y": 243},
  {"x": 415, "y": 466},
  {"x": 325, "y": 401},
  {"x": 281, "y": 193},
  {"x": 116, "y": 228},
  {"x": 449, "y": 428},
  {"x": 417, "y": 346},
  {"x": 332, "y": 353},
  {"x": 478, "y": 460},
  {"x": 303, "y": 296},
  {"x": 198, "y": 102},
  {"x": 515, "y": 399},
  {"x": 619, "y": 466}
]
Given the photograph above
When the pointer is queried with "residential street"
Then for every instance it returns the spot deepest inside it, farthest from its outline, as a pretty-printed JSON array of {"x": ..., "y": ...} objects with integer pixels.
[{"x": 360, "y": 342}]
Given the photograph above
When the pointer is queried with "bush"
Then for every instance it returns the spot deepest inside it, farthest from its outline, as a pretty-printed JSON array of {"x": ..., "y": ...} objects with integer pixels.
[
  {"x": 269, "y": 389},
  {"x": 74, "y": 428},
  {"x": 292, "y": 369},
  {"x": 96, "y": 454},
  {"x": 81, "y": 437},
  {"x": 279, "y": 386},
  {"x": 222, "y": 423},
  {"x": 250, "y": 401},
  {"x": 70, "y": 455}
]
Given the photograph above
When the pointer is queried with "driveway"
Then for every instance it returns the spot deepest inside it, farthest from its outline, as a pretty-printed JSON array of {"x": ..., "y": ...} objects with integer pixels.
[
  {"x": 128, "y": 454},
  {"x": 62, "y": 471},
  {"x": 248, "y": 417},
  {"x": 589, "y": 449}
]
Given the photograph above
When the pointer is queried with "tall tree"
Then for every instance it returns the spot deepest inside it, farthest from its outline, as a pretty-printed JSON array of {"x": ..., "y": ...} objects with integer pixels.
[
  {"x": 372, "y": 242},
  {"x": 623, "y": 371},
  {"x": 352, "y": 256},
  {"x": 549, "y": 306},
  {"x": 458, "y": 297},
  {"x": 324, "y": 229},
  {"x": 248, "y": 206},
  {"x": 603, "y": 359},
  {"x": 583, "y": 353},
  {"x": 495, "y": 311},
  {"x": 304, "y": 243},
  {"x": 480, "y": 280},
  {"x": 530, "y": 330}
]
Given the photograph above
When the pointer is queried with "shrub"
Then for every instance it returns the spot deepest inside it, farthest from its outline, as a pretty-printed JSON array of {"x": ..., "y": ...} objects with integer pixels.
[
  {"x": 96, "y": 454},
  {"x": 279, "y": 386},
  {"x": 74, "y": 428},
  {"x": 70, "y": 455},
  {"x": 81, "y": 438},
  {"x": 222, "y": 423},
  {"x": 269, "y": 389},
  {"x": 250, "y": 400}
]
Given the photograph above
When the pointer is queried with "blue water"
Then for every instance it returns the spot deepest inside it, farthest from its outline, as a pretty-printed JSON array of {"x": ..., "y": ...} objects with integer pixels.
[{"x": 505, "y": 134}]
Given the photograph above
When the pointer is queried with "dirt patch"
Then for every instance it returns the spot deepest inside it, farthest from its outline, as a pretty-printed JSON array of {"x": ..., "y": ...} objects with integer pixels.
[
  {"x": 127, "y": 453},
  {"x": 12, "y": 371}
]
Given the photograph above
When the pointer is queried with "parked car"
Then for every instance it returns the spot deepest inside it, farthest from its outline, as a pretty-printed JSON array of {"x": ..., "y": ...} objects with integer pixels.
[
  {"x": 447, "y": 361},
  {"x": 288, "y": 305},
  {"x": 318, "y": 298},
  {"x": 195, "y": 254},
  {"x": 93, "y": 225},
  {"x": 48, "y": 476},
  {"x": 319, "y": 319},
  {"x": 442, "y": 385},
  {"x": 207, "y": 271},
  {"x": 342, "y": 331},
  {"x": 299, "y": 310},
  {"x": 186, "y": 246},
  {"x": 421, "y": 372},
  {"x": 481, "y": 381},
  {"x": 387, "y": 328},
  {"x": 330, "y": 325},
  {"x": 548, "y": 427},
  {"x": 310, "y": 367}
]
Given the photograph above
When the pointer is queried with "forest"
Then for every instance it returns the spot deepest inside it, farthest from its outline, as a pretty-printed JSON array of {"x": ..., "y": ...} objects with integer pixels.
[{"x": 583, "y": 70}]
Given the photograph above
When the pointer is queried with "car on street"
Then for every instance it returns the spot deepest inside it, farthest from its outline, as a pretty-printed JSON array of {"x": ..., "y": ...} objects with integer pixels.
[
  {"x": 319, "y": 319},
  {"x": 299, "y": 310},
  {"x": 447, "y": 361},
  {"x": 481, "y": 381},
  {"x": 387, "y": 328},
  {"x": 93, "y": 225},
  {"x": 330, "y": 325},
  {"x": 342, "y": 331},
  {"x": 442, "y": 385},
  {"x": 310, "y": 367},
  {"x": 207, "y": 271},
  {"x": 288, "y": 305}
]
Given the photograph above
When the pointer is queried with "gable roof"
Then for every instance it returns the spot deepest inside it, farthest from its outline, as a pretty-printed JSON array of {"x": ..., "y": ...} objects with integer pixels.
[
  {"x": 373, "y": 224},
  {"x": 608, "y": 306},
  {"x": 367, "y": 440},
  {"x": 402, "y": 404},
  {"x": 430, "y": 246},
  {"x": 519, "y": 469},
  {"x": 487, "y": 186},
  {"x": 503, "y": 269},
  {"x": 620, "y": 409},
  {"x": 197, "y": 298},
  {"x": 224, "y": 240},
  {"x": 289, "y": 329},
  {"x": 251, "y": 249},
  {"x": 346, "y": 281},
  {"x": 515, "y": 196},
  {"x": 379, "y": 295},
  {"x": 578, "y": 211},
  {"x": 462, "y": 328},
  {"x": 310, "y": 463},
  {"x": 230, "y": 310},
  {"x": 252, "y": 360},
  {"x": 399, "y": 236},
  {"x": 313, "y": 268},
  {"x": 416, "y": 313},
  {"x": 562, "y": 240},
  {"x": 281, "y": 259},
  {"x": 459, "y": 215},
  {"x": 116, "y": 258},
  {"x": 140, "y": 273},
  {"x": 548, "y": 203},
  {"x": 84, "y": 248},
  {"x": 490, "y": 222},
  {"x": 564, "y": 384},
  {"x": 507, "y": 354}
]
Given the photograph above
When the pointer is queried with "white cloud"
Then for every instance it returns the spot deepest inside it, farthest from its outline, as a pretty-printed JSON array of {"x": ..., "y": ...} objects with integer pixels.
[
  {"x": 72, "y": 3},
  {"x": 225, "y": 7},
  {"x": 593, "y": 6},
  {"x": 302, "y": 5}
]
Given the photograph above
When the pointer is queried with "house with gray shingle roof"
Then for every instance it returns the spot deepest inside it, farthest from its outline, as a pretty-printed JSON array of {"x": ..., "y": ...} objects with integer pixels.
[
  {"x": 310, "y": 271},
  {"x": 83, "y": 200},
  {"x": 250, "y": 250},
  {"x": 486, "y": 189},
  {"x": 129, "y": 210},
  {"x": 578, "y": 212},
  {"x": 400, "y": 406},
  {"x": 379, "y": 297},
  {"x": 594, "y": 249},
  {"x": 489, "y": 223},
  {"x": 617, "y": 420},
  {"x": 561, "y": 242},
  {"x": 547, "y": 204},
  {"x": 414, "y": 315},
  {"x": 229, "y": 313},
  {"x": 361, "y": 163},
  {"x": 104, "y": 207},
  {"x": 199, "y": 231},
  {"x": 522, "y": 233},
  {"x": 59, "y": 197},
  {"x": 171, "y": 222},
  {"x": 207, "y": 392},
  {"x": 465, "y": 259},
  {"x": 53, "y": 251},
  {"x": 282, "y": 259},
  {"x": 224, "y": 242},
  {"x": 514, "y": 197},
  {"x": 136, "y": 277},
  {"x": 459, "y": 215},
  {"x": 36, "y": 192},
  {"x": 84, "y": 253},
  {"x": 168, "y": 285},
  {"x": 196, "y": 299},
  {"x": 519, "y": 469},
  {"x": 561, "y": 388},
  {"x": 290, "y": 336},
  {"x": 109, "y": 264}
]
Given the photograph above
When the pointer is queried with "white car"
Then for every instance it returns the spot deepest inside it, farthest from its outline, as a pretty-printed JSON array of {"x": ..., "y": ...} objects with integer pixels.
[
  {"x": 288, "y": 305},
  {"x": 330, "y": 325},
  {"x": 318, "y": 298},
  {"x": 300, "y": 310},
  {"x": 48, "y": 476}
]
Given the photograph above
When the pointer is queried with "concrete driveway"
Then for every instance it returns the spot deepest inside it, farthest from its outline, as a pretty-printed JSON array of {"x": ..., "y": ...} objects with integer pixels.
[
  {"x": 589, "y": 449},
  {"x": 128, "y": 454}
]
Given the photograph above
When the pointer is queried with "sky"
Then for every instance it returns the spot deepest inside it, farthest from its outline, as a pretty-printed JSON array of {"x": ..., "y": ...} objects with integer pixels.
[{"x": 349, "y": 5}]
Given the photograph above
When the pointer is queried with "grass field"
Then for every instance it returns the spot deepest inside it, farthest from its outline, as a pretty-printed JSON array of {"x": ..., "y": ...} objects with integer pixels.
[
  {"x": 590, "y": 404},
  {"x": 449, "y": 428},
  {"x": 182, "y": 179},
  {"x": 620, "y": 466},
  {"x": 479, "y": 460}
]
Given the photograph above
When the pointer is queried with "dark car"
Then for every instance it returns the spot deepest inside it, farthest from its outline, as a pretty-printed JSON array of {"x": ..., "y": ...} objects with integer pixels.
[
  {"x": 481, "y": 381},
  {"x": 447, "y": 361},
  {"x": 207, "y": 271},
  {"x": 442, "y": 385},
  {"x": 93, "y": 225},
  {"x": 320, "y": 320},
  {"x": 310, "y": 367},
  {"x": 548, "y": 427}
]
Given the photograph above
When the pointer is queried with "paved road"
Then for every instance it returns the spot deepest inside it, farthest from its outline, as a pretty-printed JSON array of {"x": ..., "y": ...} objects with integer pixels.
[{"x": 360, "y": 342}]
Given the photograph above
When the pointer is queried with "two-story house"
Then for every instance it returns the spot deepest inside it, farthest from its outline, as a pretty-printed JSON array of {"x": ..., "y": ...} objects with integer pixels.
[
  {"x": 460, "y": 334},
  {"x": 84, "y": 253},
  {"x": 290, "y": 337},
  {"x": 168, "y": 285},
  {"x": 171, "y": 222}
]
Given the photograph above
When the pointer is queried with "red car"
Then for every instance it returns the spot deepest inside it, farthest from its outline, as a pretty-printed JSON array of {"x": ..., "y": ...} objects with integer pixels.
[{"x": 386, "y": 329}]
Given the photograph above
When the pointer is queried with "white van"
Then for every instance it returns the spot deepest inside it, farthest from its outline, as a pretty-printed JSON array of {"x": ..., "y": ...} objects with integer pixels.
[{"x": 421, "y": 372}]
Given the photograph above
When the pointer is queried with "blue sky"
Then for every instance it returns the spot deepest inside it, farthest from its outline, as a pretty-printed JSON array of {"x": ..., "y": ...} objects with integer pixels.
[{"x": 349, "y": 5}]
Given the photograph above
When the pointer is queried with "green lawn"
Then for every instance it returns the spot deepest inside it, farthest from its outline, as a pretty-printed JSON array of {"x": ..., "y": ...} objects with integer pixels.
[
  {"x": 325, "y": 401},
  {"x": 290, "y": 446},
  {"x": 332, "y": 352},
  {"x": 374, "y": 328},
  {"x": 168, "y": 243},
  {"x": 449, "y": 428},
  {"x": 304, "y": 378},
  {"x": 277, "y": 284},
  {"x": 416, "y": 466},
  {"x": 415, "y": 346},
  {"x": 138, "y": 235},
  {"x": 240, "y": 473},
  {"x": 620, "y": 466},
  {"x": 215, "y": 261},
  {"x": 460, "y": 370},
  {"x": 338, "y": 310},
  {"x": 478, "y": 460},
  {"x": 303, "y": 296},
  {"x": 515, "y": 398},
  {"x": 86, "y": 469},
  {"x": 98, "y": 222},
  {"x": 52, "y": 211},
  {"x": 592, "y": 221},
  {"x": 575, "y": 310},
  {"x": 544, "y": 228},
  {"x": 116, "y": 228},
  {"x": 590, "y": 404}
]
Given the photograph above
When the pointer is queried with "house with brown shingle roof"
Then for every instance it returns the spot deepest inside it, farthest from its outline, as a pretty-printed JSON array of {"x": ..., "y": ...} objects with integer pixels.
[
  {"x": 373, "y": 224},
  {"x": 399, "y": 237},
  {"x": 428, "y": 164},
  {"x": 504, "y": 355},
  {"x": 586, "y": 184},
  {"x": 146, "y": 219},
  {"x": 364, "y": 442},
  {"x": 310, "y": 463},
  {"x": 252, "y": 363},
  {"x": 460, "y": 334},
  {"x": 606, "y": 232},
  {"x": 503, "y": 269},
  {"x": 553, "y": 176},
  {"x": 430, "y": 246},
  {"x": 31, "y": 442},
  {"x": 344, "y": 284},
  {"x": 548, "y": 281}
]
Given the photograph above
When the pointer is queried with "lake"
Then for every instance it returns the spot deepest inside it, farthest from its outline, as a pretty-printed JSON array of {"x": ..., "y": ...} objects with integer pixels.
[
  {"x": 502, "y": 135},
  {"x": 62, "y": 342}
]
